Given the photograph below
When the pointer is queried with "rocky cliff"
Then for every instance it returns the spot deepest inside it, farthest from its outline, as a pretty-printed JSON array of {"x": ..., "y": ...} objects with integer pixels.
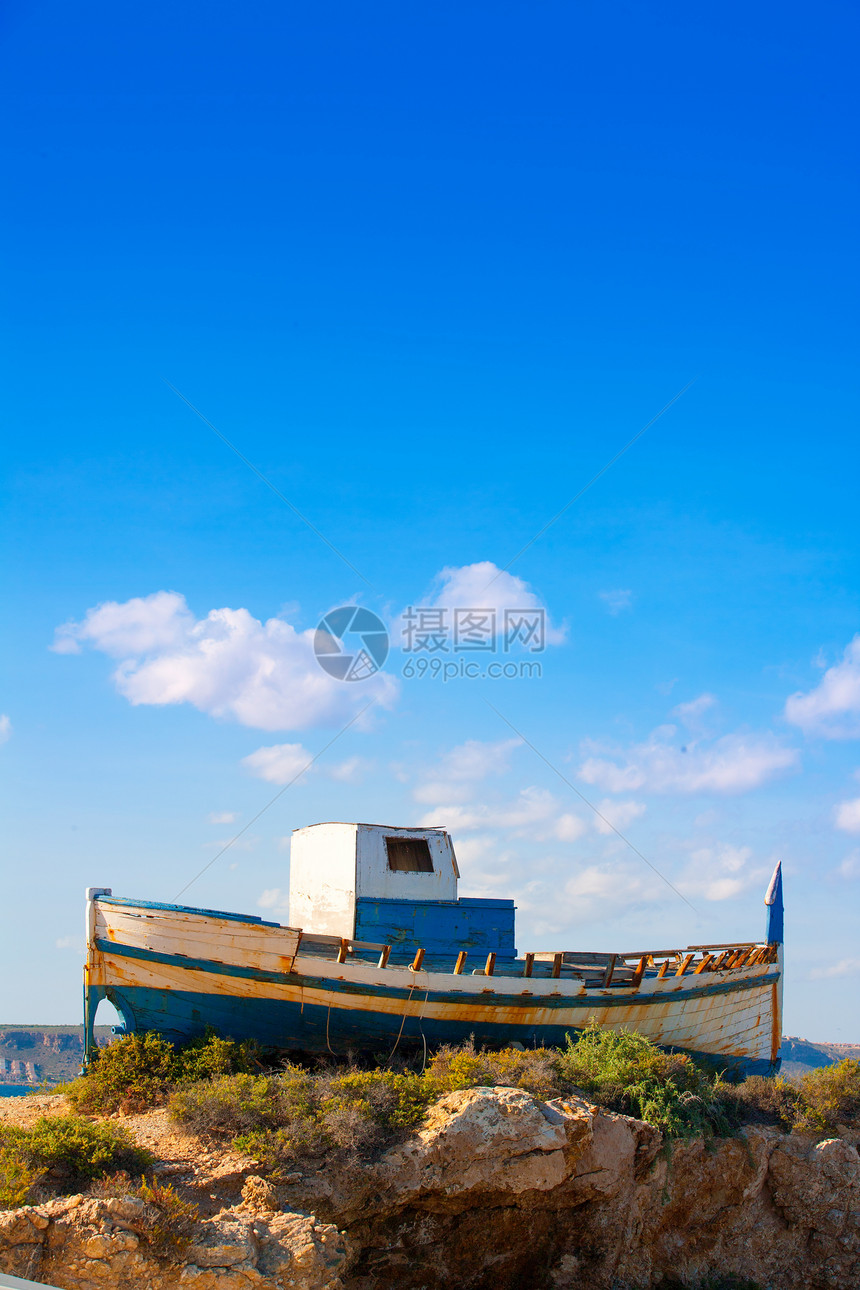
[
  {"x": 45, "y": 1054},
  {"x": 496, "y": 1189}
]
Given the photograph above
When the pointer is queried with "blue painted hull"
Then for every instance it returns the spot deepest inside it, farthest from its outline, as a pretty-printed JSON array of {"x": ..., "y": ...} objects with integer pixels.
[{"x": 181, "y": 1015}]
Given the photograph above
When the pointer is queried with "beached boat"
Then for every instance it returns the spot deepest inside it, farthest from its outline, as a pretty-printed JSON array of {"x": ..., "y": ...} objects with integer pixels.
[{"x": 383, "y": 953}]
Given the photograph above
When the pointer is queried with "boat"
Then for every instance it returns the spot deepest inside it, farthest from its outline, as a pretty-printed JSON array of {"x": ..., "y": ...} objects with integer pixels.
[{"x": 382, "y": 952}]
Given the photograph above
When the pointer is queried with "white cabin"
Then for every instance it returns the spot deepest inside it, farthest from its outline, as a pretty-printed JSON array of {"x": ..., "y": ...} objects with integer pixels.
[{"x": 332, "y": 866}]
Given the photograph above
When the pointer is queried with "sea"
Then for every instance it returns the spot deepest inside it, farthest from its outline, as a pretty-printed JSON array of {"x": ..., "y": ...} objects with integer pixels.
[{"x": 15, "y": 1090}]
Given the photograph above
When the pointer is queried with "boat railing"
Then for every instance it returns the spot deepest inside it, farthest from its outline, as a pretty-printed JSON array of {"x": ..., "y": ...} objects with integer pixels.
[{"x": 626, "y": 969}]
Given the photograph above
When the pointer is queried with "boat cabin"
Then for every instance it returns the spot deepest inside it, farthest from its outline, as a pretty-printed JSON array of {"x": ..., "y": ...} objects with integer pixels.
[{"x": 394, "y": 886}]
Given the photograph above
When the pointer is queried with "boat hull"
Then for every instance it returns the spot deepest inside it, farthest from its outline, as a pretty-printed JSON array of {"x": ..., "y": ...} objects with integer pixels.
[{"x": 180, "y": 972}]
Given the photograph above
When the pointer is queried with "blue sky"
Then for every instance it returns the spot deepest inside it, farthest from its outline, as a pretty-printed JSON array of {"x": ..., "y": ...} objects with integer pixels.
[{"x": 429, "y": 270}]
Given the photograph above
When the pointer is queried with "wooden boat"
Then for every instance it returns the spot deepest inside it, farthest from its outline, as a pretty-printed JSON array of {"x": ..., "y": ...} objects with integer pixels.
[{"x": 384, "y": 953}]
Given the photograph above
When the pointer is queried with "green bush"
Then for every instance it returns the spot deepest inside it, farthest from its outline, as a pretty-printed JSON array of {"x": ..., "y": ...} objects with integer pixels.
[
  {"x": 17, "y": 1177},
  {"x": 626, "y": 1072},
  {"x": 210, "y": 1055},
  {"x": 129, "y": 1075},
  {"x": 141, "y": 1070},
  {"x": 66, "y": 1149}
]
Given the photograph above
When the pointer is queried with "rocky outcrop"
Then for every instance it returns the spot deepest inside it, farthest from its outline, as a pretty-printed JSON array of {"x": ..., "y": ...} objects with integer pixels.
[
  {"x": 497, "y": 1189},
  {"x": 82, "y": 1243},
  {"x": 500, "y": 1190}
]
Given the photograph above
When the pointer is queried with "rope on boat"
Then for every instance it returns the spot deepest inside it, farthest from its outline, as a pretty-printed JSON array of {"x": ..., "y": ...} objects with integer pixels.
[{"x": 414, "y": 972}]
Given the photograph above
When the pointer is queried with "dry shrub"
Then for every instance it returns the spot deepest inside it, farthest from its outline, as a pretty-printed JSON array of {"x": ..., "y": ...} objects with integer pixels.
[
  {"x": 830, "y": 1098},
  {"x": 297, "y": 1115},
  {"x": 229, "y": 1104},
  {"x": 760, "y": 1100},
  {"x": 168, "y": 1231},
  {"x": 172, "y": 1231},
  {"x": 532, "y": 1069}
]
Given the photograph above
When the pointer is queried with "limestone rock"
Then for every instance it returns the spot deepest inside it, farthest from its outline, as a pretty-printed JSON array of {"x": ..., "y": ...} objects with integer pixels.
[{"x": 82, "y": 1243}]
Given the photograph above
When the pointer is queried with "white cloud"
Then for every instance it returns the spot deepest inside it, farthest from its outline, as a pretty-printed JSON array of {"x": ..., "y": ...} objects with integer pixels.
[
  {"x": 5, "y": 729},
  {"x": 721, "y": 872},
  {"x": 832, "y": 708},
  {"x": 350, "y": 771},
  {"x": 690, "y": 713},
  {"x": 845, "y": 967},
  {"x": 279, "y": 763},
  {"x": 228, "y": 664},
  {"x": 222, "y": 817},
  {"x": 594, "y": 883},
  {"x": 271, "y": 897},
  {"x": 734, "y": 763},
  {"x": 618, "y": 813},
  {"x": 617, "y": 600},
  {"x": 848, "y": 816},
  {"x": 483, "y": 586},
  {"x": 277, "y": 902},
  {"x": 532, "y": 806},
  {"x": 70, "y": 943},
  {"x": 569, "y": 828},
  {"x": 850, "y": 867},
  {"x": 454, "y": 777}
]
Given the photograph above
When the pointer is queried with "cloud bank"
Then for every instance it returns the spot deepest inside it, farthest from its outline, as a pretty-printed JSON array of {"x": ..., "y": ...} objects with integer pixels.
[
  {"x": 832, "y": 709},
  {"x": 734, "y": 763},
  {"x": 228, "y": 664}
]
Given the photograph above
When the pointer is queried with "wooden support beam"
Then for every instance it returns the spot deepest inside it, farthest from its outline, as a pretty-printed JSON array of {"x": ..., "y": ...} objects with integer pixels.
[
  {"x": 383, "y": 958},
  {"x": 700, "y": 967},
  {"x": 461, "y": 963},
  {"x": 343, "y": 951},
  {"x": 557, "y": 960},
  {"x": 417, "y": 961},
  {"x": 529, "y": 967},
  {"x": 490, "y": 965},
  {"x": 685, "y": 963},
  {"x": 610, "y": 968},
  {"x": 664, "y": 968},
  {"x": 639, "y": 972}
]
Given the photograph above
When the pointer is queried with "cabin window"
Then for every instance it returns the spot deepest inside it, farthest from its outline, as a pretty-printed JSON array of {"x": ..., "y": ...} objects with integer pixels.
[{"x": 409, "y": 855}]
